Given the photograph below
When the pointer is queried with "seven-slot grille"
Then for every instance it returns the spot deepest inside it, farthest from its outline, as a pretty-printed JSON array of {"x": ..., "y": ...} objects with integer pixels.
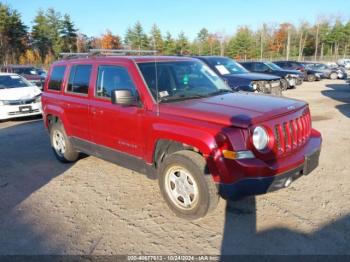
[{"x": 292, "y": 134}]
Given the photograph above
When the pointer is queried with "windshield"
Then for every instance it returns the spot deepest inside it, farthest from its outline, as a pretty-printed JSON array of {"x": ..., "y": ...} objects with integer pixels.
[
  {"x": 179, "y": 80},
  {"x": 227, "y": 66},
  {"x": 13, "y": 81},
  {"x": 273, "y": 66}
]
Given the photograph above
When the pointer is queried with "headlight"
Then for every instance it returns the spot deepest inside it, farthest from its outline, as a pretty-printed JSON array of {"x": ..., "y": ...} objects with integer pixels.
[
  {"x": 253, "y": 85},
  {"x": 260, "y": 138},
  {"x": 37, "y": 99},
  {"x": 1, "y": 103}
]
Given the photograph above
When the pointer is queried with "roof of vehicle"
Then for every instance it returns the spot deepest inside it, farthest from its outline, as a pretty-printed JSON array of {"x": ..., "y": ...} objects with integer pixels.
[
  {"x": 19, "y": 66},
  {"x": 294, "y": 61},
  {"x": 7, "y": 74},
  {"x": 136, "y": 59}
]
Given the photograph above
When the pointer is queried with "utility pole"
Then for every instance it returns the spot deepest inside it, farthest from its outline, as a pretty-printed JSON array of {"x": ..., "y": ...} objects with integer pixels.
[
  {"x": 316, "y": 41},
  {"x": 261, "y": 43},
  {"x": 288, "y": 42}
]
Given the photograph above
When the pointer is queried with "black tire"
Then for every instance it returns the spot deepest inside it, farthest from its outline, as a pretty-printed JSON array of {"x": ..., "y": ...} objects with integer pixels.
[
  {"x": 69, "y": 154},
  {"x": 311, "y": 78},
  {"x": 333, "y": 76},
  {"x": 284, "y": 84},
  {"x": 207, "y": 194}
]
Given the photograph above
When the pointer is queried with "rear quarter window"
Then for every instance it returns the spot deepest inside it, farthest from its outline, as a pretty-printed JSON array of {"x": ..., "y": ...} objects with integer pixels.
[{"x": 56, "y": 78}]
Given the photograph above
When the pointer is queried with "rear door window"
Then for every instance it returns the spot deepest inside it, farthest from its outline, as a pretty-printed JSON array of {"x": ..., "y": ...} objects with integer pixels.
[
  {"x": 56, "y": 78},
  {"x": 79, "y": 79}
]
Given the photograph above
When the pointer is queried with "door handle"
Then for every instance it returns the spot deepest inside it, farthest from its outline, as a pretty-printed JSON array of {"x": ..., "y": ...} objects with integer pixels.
[{"x": 94, "y": 111}]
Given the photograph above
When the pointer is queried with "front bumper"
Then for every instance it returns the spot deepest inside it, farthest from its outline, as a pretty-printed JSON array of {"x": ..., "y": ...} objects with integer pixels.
[
  {"x": 342, "y": 75},
  {"x": 13, "y": 111},
  {"x": 261, "y": 185}
]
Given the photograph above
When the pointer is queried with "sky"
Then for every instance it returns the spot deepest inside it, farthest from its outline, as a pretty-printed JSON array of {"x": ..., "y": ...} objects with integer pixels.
[{"x": 94, "y": 17}]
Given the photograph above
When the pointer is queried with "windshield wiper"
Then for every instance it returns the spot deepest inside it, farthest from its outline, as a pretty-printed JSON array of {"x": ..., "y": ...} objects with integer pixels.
[
  {"x": 220, "y": 92},
  {"x": 180, "y": 97}
]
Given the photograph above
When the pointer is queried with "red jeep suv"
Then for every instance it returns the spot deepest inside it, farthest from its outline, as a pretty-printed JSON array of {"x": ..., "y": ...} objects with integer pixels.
[{"x": 174, "y": 119}]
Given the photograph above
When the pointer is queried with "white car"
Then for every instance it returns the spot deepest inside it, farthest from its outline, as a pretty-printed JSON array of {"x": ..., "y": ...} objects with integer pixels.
[{"x": 18, "y": 97}]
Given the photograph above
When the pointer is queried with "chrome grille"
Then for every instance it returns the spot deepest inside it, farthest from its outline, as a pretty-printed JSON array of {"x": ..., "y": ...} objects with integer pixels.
[
  {"x": 20, "y": 102},
  {"x": 292, "y": 134}
]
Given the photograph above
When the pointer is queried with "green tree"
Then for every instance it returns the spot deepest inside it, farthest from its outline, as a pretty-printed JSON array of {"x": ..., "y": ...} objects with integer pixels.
[
  {"x": 169, "y": 45},
  {"x": 203, "y": 42},
  {"x": 13, "y": 35},
  {"x": 136, "y": 38},
  {"x": 69, "y": 35},
  {"x": 182, "y": 44},
  {"x": 241, "y": 45},
  {"x": 55, "y": 23},
  {"x": 156, "y": 39},
  {"x": 41, "y": 35}
]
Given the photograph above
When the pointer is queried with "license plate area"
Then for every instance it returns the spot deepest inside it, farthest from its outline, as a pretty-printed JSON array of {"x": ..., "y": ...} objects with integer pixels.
[
  {"x": 25, "y": 109},
  {"x": 311, "y": 162}
]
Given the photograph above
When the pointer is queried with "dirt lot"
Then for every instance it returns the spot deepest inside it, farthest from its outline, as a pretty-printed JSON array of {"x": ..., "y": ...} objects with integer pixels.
[{"x": 94, "y": 207}]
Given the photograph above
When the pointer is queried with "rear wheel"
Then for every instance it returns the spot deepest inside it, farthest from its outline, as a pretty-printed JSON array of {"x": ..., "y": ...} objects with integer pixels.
[
  {"x": 187, "y": 188},
  {"x": 333, "y": 76},
  {"x": 61, "y": 146},
  {"x": 311, "y": 78}
]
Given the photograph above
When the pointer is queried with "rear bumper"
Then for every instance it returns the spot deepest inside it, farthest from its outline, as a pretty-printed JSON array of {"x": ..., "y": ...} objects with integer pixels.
[{"x": 261, "y": 185}]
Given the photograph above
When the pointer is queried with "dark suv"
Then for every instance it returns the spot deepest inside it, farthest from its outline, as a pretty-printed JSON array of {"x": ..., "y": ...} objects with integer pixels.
[
  {"x": 32, "y": 74},
  {"x": 310, "y": 75},
  {"x": 174, "y": 119},
  {"x": 290, "y": 78},
  {"x": 239, "y": 78}
]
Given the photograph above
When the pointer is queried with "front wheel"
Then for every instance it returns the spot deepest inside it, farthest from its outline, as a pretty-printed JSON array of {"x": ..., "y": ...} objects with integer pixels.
[
  {"x": 311, "y": 78},
  {"x": 187, "y": 187},
  {"x": 284, "y": 84},
  {"x": 333, "y": 76}
]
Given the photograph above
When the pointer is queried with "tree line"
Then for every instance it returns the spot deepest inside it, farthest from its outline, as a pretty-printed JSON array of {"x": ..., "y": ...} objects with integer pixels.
[{"x": 53, "y": 33}]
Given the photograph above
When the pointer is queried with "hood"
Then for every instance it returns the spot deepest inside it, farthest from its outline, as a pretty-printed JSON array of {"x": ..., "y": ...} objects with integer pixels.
[
  {"x": 251, "y": 77},
  {"x": 239, "y": 109},
  {"x": 20, "y": 93}
]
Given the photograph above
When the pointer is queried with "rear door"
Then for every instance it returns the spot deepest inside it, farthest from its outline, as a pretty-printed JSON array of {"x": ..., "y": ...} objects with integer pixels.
[
  {"x": 114, "y": 126},
  {"x": 76, "y": 100}
]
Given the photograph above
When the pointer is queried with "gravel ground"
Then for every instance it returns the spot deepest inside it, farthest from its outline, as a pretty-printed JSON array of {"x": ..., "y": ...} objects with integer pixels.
[{"x": 95, "y": 207}]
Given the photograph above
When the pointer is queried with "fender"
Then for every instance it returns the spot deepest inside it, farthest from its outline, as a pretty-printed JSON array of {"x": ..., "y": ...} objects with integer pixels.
[
  {"x": 203, "y": 141},
  {"x": 58, "y": 111}
]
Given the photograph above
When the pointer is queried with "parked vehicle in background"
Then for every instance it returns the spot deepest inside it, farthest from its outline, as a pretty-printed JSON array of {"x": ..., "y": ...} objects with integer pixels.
[
  {"x": 344, "y": 63},
  {"x": 18, "y": 97},
  {"x": 32, "y": 74},
  {"x": 290, "y": 78},
  {"x": 309, "y": 74},
  {"x": 175, "y": 119},
  {"x": 239, "y": 78},
  {"x": 328, "y": 71}
]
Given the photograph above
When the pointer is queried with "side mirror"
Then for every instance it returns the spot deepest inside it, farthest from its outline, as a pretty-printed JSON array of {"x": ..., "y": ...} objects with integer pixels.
[{"x": 123, "y": 97}]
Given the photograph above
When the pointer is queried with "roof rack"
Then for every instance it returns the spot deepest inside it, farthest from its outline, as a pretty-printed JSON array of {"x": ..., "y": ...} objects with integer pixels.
[{"x": 107, "y": 52}]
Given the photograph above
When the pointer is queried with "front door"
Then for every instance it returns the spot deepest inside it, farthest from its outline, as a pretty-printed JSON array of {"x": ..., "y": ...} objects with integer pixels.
[{"x": 114, "y": 126}]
